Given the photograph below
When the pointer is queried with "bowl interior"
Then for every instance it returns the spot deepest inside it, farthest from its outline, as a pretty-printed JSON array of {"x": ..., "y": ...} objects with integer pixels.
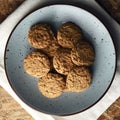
[{"x": 102, "y": 70}]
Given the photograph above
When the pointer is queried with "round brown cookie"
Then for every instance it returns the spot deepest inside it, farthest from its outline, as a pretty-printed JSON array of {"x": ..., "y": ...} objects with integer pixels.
[
  {"x": 51, "y": 85},
  {"x": 68, "y": 35},
  {"x": 78, "y": 79},
  {"x": 39, "y": 36},
  {"x": 62, "y": 61},
  {"x": 51, "y": 49},
  {"x": 37, "y": 64},
  {"x": 82, "y": 54}
]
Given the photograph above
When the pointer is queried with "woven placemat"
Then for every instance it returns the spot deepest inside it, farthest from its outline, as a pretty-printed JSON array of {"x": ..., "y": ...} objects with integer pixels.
[
  {"x": 7, "y": 7},
  {"x": 10, "y": 109}
]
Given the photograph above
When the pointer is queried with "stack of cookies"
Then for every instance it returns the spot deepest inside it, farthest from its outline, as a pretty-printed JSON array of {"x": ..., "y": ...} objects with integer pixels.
[{"x": 61, "y": 63}]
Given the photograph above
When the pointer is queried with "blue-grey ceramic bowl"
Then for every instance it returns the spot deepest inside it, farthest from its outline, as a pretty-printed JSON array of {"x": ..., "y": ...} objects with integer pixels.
[{"x": 103, "y": 68}]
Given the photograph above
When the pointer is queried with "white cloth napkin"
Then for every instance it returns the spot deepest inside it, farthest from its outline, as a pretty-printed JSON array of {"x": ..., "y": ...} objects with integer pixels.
[{"x": 91, "y": 114}]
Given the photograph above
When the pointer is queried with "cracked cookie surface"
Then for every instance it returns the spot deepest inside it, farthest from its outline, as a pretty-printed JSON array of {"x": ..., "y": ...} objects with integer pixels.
[
  {"x": 51, "y": 85},
  {"x": 83, "y": 54},
  {"x": 78, "y": 79},
  {"x": 51, "y": 49},
  {"x": 37, "y": 64},
  {"x": 68, "y": 35},
  {"x": 62, "y": 61},
  {"x": 40, "y": 35}
]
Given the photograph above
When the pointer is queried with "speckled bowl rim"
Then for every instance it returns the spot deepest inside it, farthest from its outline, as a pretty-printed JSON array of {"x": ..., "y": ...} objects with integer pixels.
[{"x": 35, "y": 108}]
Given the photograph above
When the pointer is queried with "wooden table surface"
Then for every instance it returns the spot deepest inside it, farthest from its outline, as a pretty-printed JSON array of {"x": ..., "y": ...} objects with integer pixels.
[{"x": 9, "y": 108}]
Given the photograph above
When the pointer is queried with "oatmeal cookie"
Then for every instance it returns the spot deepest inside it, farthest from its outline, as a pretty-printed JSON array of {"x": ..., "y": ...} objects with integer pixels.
[
  {"x": 82, "y": 54},
  {"x": 37, "y": 64},
  {"x": 39, "y": 36},
  {"x": 62, "y": 61},
  {"x": 68, "y": 35},
  {"x": 78, "y": 79},
  {"x": 51, "y": 85},
  {"x": 51, "y": 49}
]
